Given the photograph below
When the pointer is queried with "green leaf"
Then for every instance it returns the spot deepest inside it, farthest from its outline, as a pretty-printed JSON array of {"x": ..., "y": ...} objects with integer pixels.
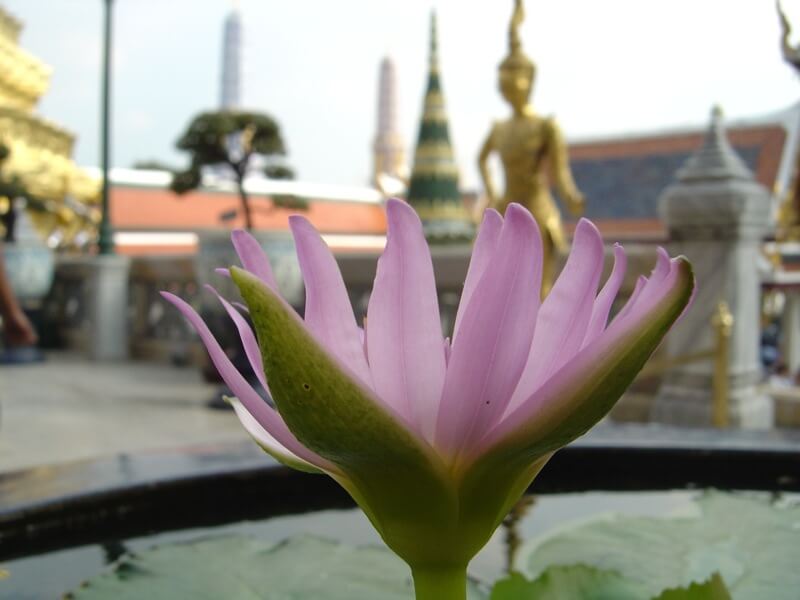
[
  {"x": 396, "y": 478},
  {"x": 713, "y": 589},
  {"x": 752, "y": 543},
  {"x": 576, "y": 582},
  {"x": 241, "y": 568},
  {"x": 581, "y": 582}
]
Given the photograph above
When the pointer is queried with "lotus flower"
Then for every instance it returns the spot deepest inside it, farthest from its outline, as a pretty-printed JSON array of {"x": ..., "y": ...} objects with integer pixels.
[{"x": 436, "y": 440}]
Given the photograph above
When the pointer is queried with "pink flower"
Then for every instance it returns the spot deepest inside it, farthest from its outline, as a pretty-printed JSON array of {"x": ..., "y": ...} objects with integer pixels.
[{"x": 436, "y": 441}]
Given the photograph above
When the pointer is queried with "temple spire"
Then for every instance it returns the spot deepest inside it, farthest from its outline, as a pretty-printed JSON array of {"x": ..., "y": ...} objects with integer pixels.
[
  {"x": 388, "y": 149},
  {"x": 230, "y": 83},
  {"x": 433, "y": 190}
]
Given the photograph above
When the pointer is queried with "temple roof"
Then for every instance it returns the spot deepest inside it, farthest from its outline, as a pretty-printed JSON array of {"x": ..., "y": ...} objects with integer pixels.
[{"x": 623, "y": 177}]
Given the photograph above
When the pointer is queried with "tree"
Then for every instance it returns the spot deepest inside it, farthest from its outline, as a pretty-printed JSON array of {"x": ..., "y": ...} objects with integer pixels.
[{"x": 232, "y": 139}]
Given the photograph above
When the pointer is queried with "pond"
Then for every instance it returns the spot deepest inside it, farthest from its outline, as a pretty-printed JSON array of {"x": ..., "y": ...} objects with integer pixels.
[
  {"x": 63, "y": 524},
  {"x": 52, "y": 574}
]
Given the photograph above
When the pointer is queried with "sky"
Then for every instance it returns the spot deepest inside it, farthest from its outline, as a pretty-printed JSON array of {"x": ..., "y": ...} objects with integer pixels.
[{"x": 605, "y": 67}]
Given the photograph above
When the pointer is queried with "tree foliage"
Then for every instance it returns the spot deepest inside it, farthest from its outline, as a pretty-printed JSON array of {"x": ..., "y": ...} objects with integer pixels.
[{"x": 231, "y": 139}]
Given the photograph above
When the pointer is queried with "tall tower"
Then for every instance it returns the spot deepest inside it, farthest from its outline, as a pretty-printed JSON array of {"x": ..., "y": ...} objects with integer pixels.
[
  {"x": 388, "y": 153},
  {"x": 230, "y": 82},
  {"x": 433, "y": 190}
]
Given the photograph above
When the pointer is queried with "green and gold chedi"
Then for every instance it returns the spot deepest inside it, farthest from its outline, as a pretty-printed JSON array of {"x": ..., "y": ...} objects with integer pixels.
[
  {"x": 433, "y": 190},
  {"x": 39, "y": 151}
]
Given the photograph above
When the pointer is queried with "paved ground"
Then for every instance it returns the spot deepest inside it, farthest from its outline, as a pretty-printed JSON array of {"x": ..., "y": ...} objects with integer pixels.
[{"x": 69, "y": 408}]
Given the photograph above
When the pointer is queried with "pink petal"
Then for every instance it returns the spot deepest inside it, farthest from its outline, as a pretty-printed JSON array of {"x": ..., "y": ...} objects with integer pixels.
[
  {"x": 564, "y": 316},
  {"x": 489, "y": 354},
  {"x": 329, "y": 314},
  {"x": 606, "y": 297},
  {"x": 253, "y": 257},
  {"x": 404, "y": 338},
  {"x": 484, "y": 248},
  {"x": 264, "y": 439},
  {"x": 223, "y": 271},
  {"x": 641, "y": 281},
  {"x": 266, "y": 416},
  {"x": 568, "y": 393},
  {"x": 652, "y": 288},
  {"x": 249, "y": 342}
]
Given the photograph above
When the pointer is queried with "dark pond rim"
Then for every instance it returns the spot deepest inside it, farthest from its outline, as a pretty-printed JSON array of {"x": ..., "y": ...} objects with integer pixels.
[{"x": 56, "y": 507}]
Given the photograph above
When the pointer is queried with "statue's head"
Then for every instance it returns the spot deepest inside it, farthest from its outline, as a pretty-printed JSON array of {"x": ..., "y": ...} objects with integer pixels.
[
  {"x": 517, "y": 71},
  {"x": 517, "y": 74}
]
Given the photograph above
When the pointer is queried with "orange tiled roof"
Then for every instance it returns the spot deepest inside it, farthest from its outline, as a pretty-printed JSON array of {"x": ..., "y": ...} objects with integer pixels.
[{"x": 146, "y": 208}]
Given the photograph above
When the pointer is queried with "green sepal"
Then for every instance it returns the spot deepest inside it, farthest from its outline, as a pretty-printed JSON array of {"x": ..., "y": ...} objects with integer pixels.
[{"x": 395, "y": 476}]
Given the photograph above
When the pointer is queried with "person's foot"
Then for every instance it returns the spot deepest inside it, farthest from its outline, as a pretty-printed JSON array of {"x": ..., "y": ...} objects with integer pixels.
[{"x": 18, "y": 355}]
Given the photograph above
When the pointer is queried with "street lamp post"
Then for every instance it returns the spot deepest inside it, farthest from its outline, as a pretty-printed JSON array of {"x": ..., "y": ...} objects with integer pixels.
[
  {"x": 109, "y": 272},
  {"x": 105, "y": 242}
]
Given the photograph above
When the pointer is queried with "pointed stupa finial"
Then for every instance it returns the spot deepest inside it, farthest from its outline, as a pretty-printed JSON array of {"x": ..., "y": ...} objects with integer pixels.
[
  {"x": 433, "y": 189},
  {"x": 434, "y": 47},
  {"x": 716, "y": 158}
]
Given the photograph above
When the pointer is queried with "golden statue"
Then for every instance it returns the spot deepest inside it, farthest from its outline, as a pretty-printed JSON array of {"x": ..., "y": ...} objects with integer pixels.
[
  {"x": 789, "y": 210},
  {"x": 533, "y": 153}
]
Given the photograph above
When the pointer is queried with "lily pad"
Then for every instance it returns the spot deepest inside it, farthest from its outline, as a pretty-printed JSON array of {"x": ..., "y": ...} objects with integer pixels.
[
  {"x": 750, "y": 541},
  {"x": 242, "y": 568}
]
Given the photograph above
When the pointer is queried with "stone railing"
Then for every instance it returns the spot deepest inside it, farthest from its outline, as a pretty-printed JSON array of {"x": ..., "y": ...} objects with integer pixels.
[
  {"x": 64, "y": 314},
  {"x": 158, "y": 332}
]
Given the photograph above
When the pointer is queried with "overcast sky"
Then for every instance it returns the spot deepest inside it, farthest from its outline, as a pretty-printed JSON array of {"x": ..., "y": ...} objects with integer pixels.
[{"x": 605, "y": 67}]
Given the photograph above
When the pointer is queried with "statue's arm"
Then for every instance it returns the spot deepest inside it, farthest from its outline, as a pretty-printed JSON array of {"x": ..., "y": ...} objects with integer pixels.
[
  {"x": 560, "y": 171},
  {"x": 490, "y": 197}
]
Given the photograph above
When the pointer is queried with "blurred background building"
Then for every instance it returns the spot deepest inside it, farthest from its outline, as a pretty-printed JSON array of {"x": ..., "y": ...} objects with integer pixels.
[
  {"x": 38, "y": 153},
  {"x": 623, "y": 177}
]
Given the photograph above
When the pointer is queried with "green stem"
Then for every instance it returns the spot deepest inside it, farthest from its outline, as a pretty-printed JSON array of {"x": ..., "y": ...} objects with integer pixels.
[{"x": 440, "y": 584}]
